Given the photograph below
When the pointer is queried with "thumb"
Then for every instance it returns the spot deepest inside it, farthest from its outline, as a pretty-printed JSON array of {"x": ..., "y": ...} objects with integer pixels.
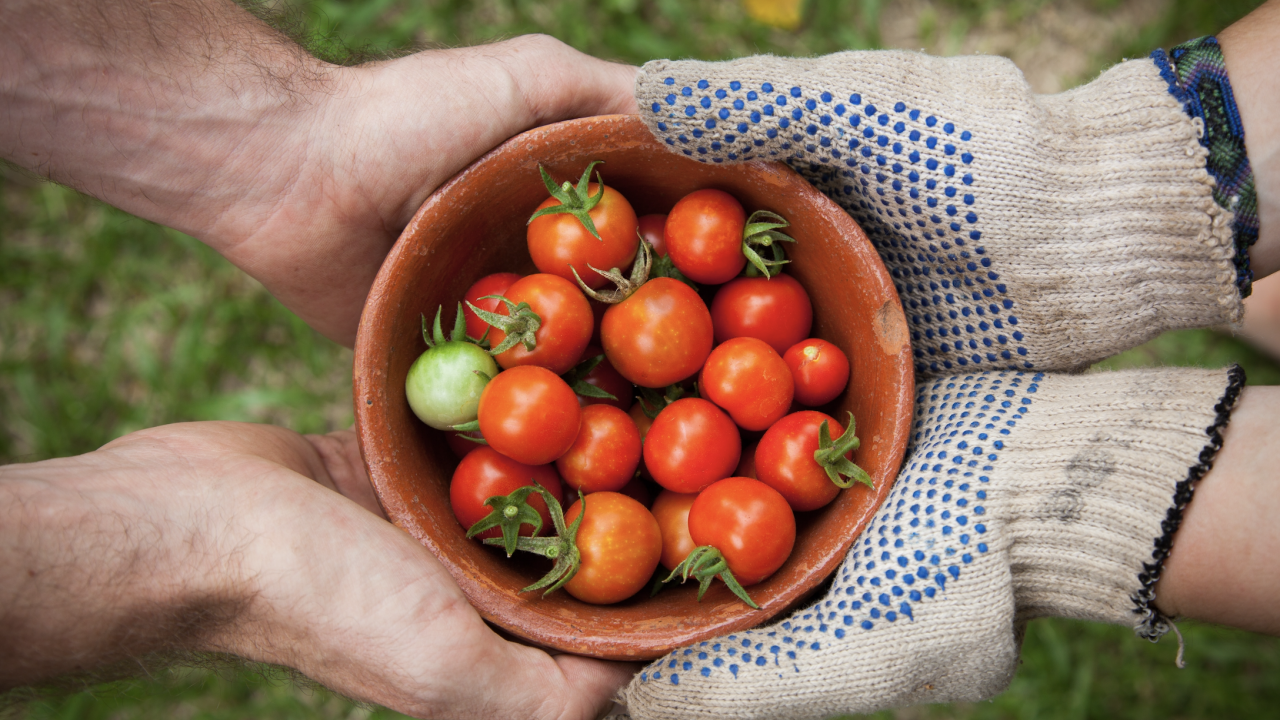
[
  {"x": 598, "y": 680},
  {"x": 539, "y": 686},
  {"x": 466, "y": 102},
  {"x": 557, "y": 82}
]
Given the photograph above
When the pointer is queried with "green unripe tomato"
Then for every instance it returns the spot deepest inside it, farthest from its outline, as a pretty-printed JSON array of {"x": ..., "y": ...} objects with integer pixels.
[{"x": 444, "y": 383}]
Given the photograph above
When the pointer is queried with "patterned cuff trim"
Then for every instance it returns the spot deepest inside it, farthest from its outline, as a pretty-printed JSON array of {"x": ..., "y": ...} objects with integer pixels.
[
  {"x": 1152, "y": 624},
  {"x": 1197, "y": 77}
]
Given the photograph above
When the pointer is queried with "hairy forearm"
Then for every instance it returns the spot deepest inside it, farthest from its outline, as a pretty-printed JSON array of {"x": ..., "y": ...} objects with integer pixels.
[
  {"x": 197, "y": 115},
  {"x": 228, "y": 538},
  {"x": 94, "y": 575},
  {"x": 155, "y": 107}
]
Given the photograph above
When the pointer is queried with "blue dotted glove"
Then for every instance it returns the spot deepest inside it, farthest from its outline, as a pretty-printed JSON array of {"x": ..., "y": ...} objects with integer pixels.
[
  {"x": 1023, "y": 232},
  {"x": 1025, "y": 495}
]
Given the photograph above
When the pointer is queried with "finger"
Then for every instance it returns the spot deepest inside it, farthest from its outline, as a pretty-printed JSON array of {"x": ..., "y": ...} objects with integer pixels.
[
  {"x": 340, "y": 453},
  {"x": 515, "y": 85},
  {"x": 597, "y": 678},
  {"x": 564, "y": 687},
  {"x": 332, "y": 460}
]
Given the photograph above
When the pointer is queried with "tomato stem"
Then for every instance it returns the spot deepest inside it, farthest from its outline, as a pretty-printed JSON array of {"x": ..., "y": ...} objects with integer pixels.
[
  {"x": 659, "y": 582},
  {"x": 574, "y": 201},
  {"x": 831, "y": 456},
  {"x": 477, "y": 438},
  {"x": 577, "y": 379},
  {"x": 509, "y": 513},
  {"x": 762, "y": 232},
  {"x": 458, "y": 334},
  {"x": 562, "y": 548},
  {"x": 652, "y": 402},
  {"x": 664, "y": 266},
  {"x": 520, "y": 324},
  {"x": 704, "y": 563},
  {"x": 624, "y": 286}
]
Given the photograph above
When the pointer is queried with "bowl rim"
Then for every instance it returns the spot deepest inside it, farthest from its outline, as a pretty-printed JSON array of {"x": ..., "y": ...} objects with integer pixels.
[{"x": 367, "y": 371}]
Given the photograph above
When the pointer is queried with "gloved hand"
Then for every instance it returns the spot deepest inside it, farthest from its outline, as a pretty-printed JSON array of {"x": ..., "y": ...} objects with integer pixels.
[
  {"x": 1025, "y": 495},
  {"x": 1024, "y": 233}
]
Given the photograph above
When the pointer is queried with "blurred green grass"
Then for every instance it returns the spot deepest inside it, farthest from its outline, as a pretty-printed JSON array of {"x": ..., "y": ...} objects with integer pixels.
[{"x": 109, "y": 324}]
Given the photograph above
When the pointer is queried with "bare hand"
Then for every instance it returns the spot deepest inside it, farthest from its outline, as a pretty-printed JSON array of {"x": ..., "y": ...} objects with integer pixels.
[
  {"x": 274, "y": 529},
  {"x": 389, "y": 135}
]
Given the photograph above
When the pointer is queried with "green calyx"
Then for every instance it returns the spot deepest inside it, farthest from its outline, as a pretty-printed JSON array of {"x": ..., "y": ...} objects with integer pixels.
[
  {"x": 664, "y": 266},
  {"x": 573, "y": 200},
  {"x": 464, "y": 431},
  {"x": 831, "y": 456},
  {"x": 761, "y": 237},
  {"x": 659, "y": 582},
  {"x": 520, "y": 324},
  {"x": 509, "y": 513},
  {"x": 562, "y": 548},
  {"x": 705, "y": 563},
  {"x": 576, "y": 378},
  {"x": 652, "y": 402},
  {"x": 457, "y": 334},
  {"x": 624, "y": 286}
]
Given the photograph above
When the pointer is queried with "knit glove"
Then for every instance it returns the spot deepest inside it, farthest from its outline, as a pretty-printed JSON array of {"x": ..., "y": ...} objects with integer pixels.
[
  {"x": 1023, "y": 231},
  {"x": 1025, "y": 495}
]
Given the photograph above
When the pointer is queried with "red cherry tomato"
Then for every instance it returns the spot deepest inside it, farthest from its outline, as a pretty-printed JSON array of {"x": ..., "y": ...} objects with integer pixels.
[
  {"x": 653, "y": 228},
  {"x": 529, "y": 414},
  {"x": 671, "y": 510},
  {"x": 749, "y": 380},
  {"x": 608, "y": 379},
  {"x": 820, "y": 369},
  {"x": 560, "y": 241},
  {"x": 460, "y": 445},
  {"x": 566, "y": 323},
  {"x": 484, "y": 473},
  {"x": 691, "y": 444},
  {"x": 748, "y": 522},
  {"x": 495, "y": 284},
  {"x": 704, "y": 236},
  {"x": 776, "y": 310},
  {"x": 620, "y": 544},
  {"x": 784, "y": 460},
  {"x": 605, "y": 454},
  {"x": 658, "y": 336}
]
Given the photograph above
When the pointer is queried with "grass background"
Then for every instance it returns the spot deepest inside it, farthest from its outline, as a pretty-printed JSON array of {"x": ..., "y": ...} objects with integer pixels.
[{"x": 109, "y": 324}]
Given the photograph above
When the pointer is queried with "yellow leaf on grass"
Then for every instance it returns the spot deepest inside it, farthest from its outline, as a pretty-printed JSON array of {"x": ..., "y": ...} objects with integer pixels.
[{"x": 783, "y": 14}]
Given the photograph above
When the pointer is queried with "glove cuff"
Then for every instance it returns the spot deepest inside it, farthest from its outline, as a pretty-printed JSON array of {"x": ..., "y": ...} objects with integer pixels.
[
  {"x": 1099, "y": 478},
  {"x": 1022, "y": 231}
]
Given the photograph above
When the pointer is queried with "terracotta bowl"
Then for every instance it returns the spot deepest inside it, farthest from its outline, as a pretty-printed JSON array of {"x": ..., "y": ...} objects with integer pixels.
[{"x": 475, "y": 225}]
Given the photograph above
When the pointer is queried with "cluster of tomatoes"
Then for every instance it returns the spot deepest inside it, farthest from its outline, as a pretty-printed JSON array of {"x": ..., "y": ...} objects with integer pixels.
[{"x": 537, "y": 387}]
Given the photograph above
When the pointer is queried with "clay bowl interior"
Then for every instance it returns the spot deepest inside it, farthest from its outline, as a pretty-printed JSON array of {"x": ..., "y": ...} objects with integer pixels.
[{"x": 475, "y": 225}]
